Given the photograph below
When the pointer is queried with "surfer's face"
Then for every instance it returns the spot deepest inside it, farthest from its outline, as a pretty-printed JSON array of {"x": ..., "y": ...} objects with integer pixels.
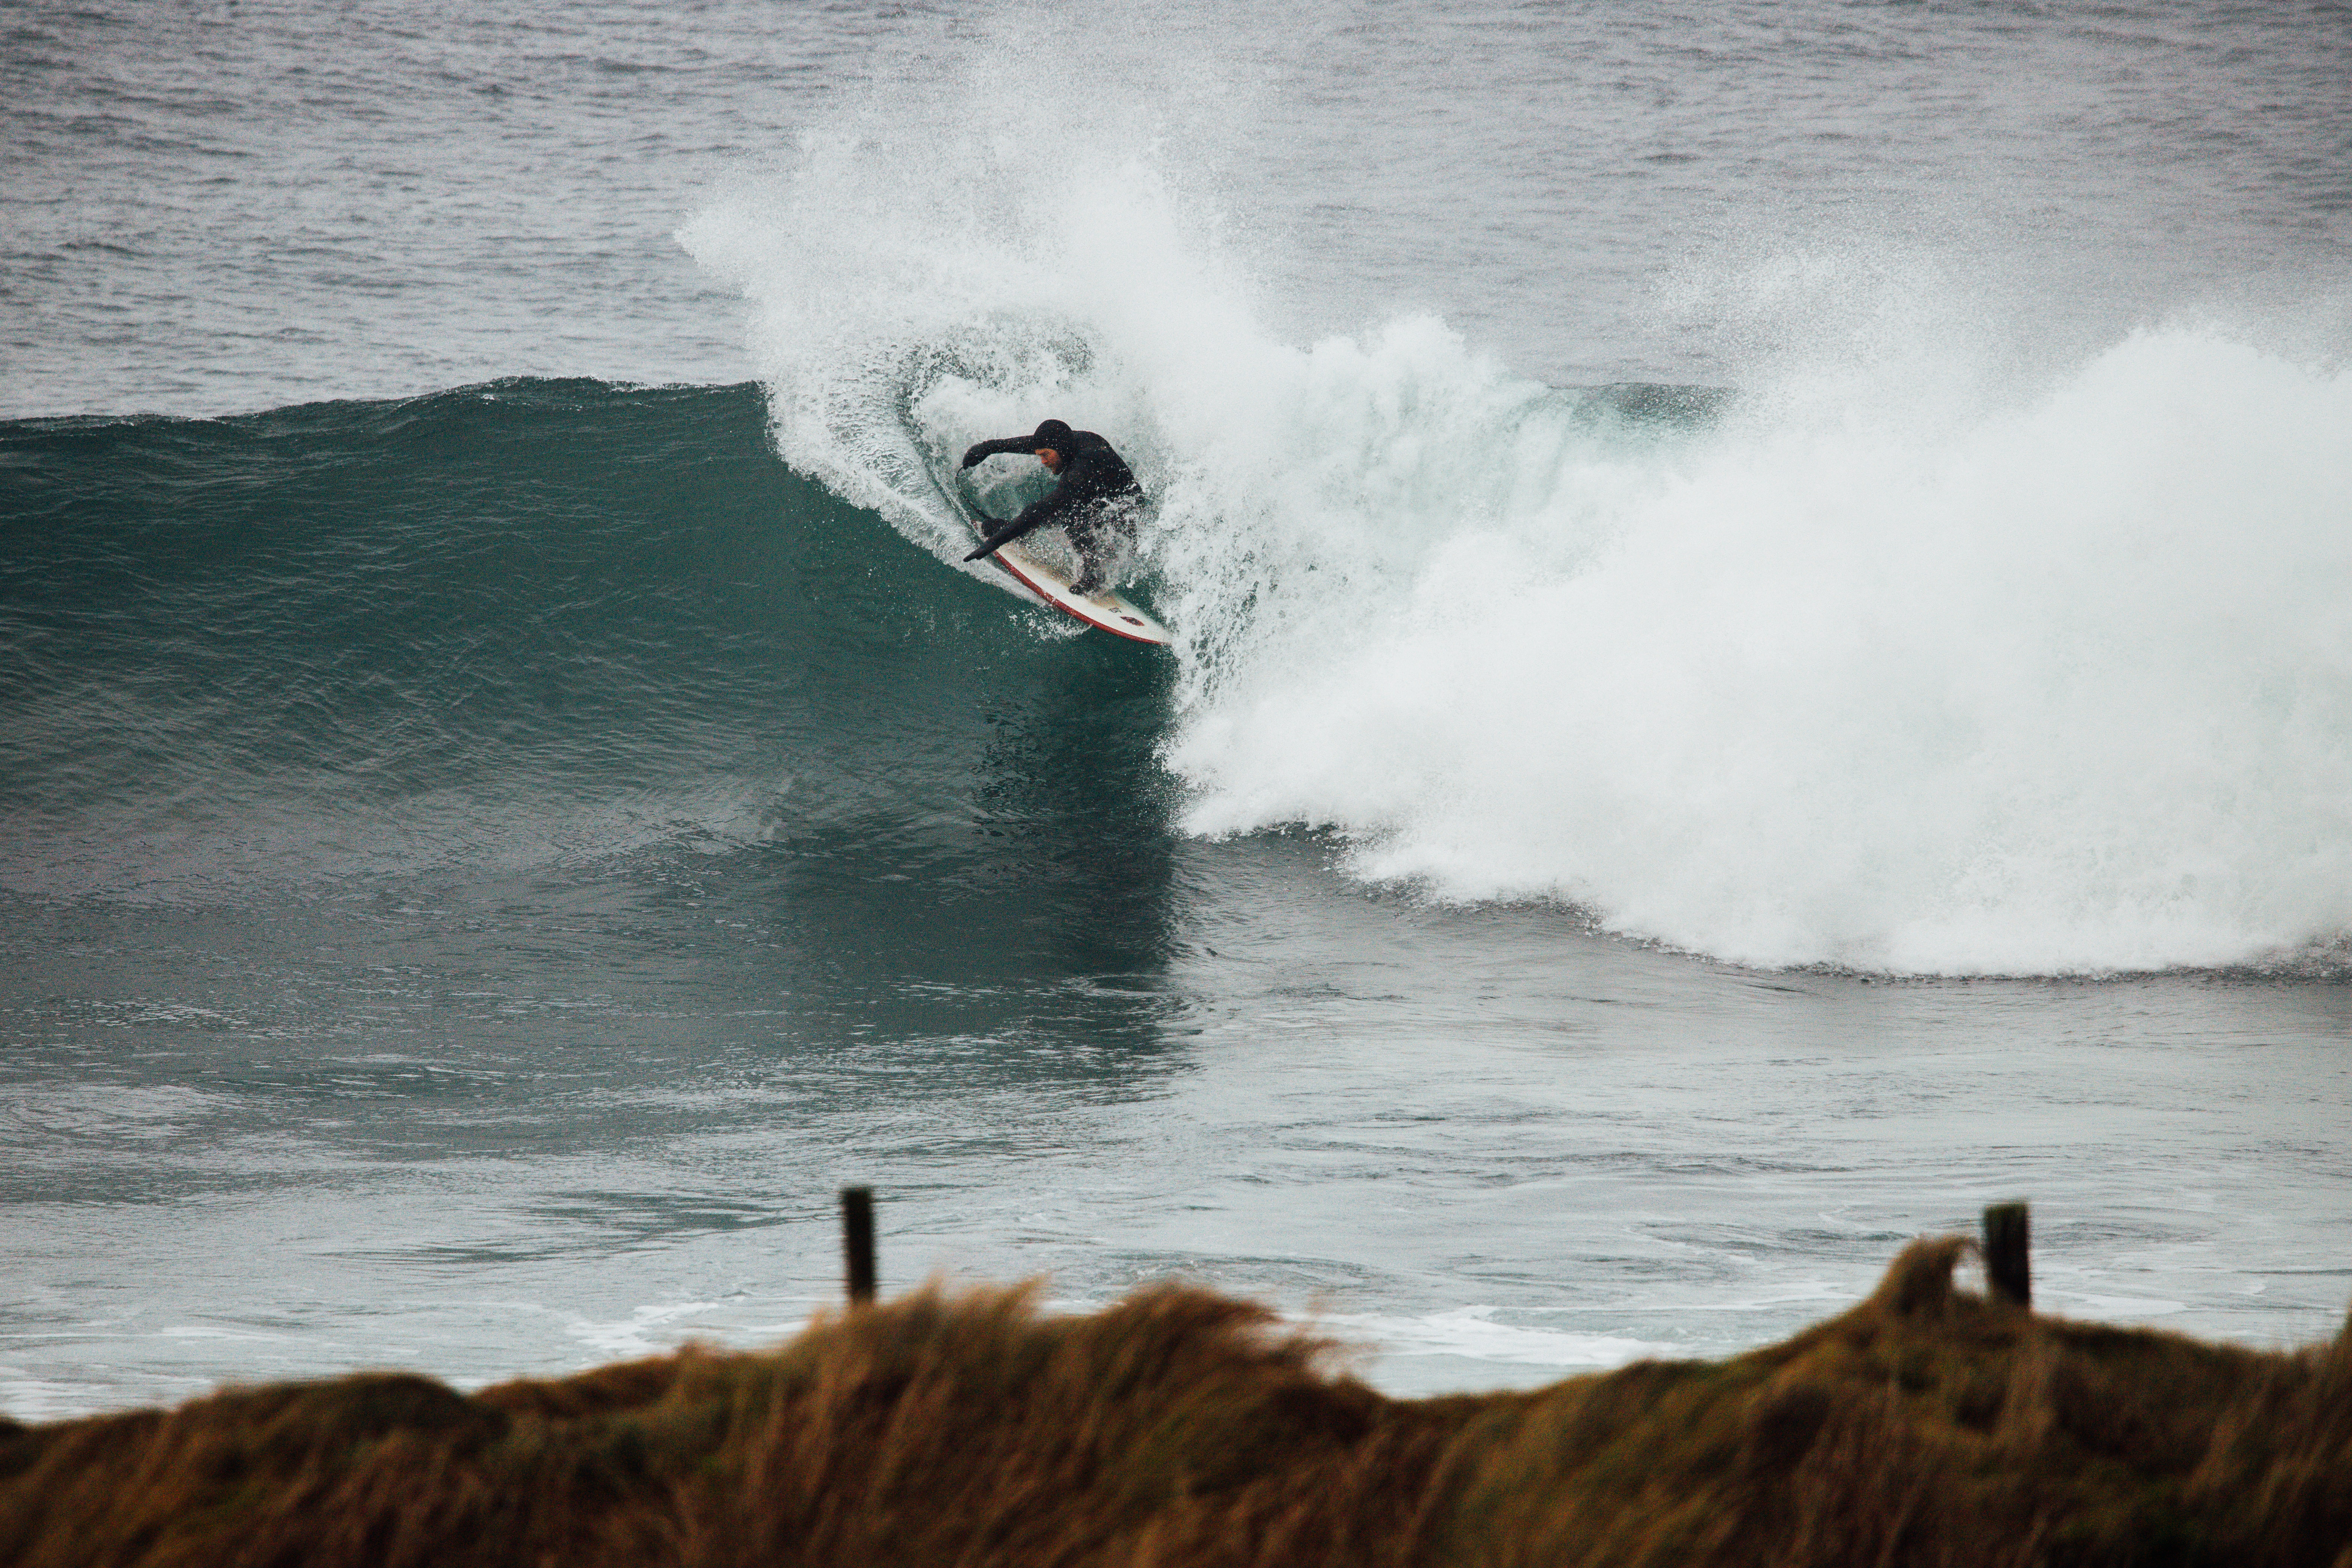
[{"x": 1051, "y": 458}]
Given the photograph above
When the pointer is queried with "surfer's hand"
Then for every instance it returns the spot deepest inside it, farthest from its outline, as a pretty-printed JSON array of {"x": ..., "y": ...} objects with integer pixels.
[
  {"x": 974, "y": 455},
  {"x": 994, "y": 534}
]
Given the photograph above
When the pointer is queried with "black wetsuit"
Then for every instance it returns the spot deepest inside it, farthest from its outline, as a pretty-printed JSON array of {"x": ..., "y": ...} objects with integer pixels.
[{"x": 1095, "y": 497}]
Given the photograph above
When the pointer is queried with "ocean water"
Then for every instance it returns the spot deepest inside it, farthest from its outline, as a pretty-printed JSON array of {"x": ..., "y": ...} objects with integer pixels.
[{"x": 1765, "y": 610}]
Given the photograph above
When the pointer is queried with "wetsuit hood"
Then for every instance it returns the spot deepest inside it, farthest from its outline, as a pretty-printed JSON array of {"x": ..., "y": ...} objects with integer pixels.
[{"x": 1052, "y": 432}]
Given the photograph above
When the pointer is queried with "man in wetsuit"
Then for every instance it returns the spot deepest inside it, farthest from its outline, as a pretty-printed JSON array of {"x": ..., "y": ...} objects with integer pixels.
[{"x": 1094, "y": 503}]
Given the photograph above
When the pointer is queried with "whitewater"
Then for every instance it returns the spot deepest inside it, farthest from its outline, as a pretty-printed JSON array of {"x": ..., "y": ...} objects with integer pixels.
[
  {"x": 1763, "y": 659},
  {"x": 1915, "y": 659}
]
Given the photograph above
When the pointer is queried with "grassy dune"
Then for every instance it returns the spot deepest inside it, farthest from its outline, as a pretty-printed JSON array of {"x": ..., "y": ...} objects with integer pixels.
[{"x": 1928, "y": 1425}]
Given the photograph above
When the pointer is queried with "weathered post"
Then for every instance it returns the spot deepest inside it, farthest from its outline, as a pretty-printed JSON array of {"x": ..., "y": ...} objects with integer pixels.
[
  {"x": 857, "y": 1241},
  {"x": 2008, "y": 1253}
]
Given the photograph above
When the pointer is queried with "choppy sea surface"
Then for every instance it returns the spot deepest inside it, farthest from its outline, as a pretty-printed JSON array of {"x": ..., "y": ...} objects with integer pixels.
[{"x": 1765, "y": 610}]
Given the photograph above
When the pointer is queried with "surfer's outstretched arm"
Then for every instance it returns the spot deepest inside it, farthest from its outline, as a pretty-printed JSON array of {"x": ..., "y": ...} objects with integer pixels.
[
  {"x": 996, "y": 533},
  {"x": 1002, "y": 533}
]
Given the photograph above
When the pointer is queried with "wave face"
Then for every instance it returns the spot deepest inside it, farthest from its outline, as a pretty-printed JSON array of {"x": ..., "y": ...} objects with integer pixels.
[
  {"x": 509, "y": 627},
  {"x": 1931, "y": 652}
]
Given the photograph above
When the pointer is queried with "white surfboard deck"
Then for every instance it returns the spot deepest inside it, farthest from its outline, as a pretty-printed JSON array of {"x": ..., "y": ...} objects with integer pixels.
[{"x": 1107, "y": 611}]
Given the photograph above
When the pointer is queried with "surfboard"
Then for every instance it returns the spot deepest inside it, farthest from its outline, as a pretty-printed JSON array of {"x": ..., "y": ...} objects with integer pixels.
[
  {"x": 1108, "y": 611},
  {"x": 1047, "y": 577}
]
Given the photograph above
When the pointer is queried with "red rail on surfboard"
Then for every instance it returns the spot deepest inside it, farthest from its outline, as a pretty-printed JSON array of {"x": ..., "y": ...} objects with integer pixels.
[{"x": 1106, "y": 611}]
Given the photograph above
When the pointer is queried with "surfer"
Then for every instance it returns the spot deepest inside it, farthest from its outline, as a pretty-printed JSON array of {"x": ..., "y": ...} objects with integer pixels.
[{"x": 1094, "y": 503}]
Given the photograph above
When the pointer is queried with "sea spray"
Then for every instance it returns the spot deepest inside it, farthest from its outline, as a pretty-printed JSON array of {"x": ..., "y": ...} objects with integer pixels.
[{"x": 965, "y": 252}]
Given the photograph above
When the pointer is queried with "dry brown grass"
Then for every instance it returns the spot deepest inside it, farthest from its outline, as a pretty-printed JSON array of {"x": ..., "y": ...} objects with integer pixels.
[{"x": 1926, "y": 1427}]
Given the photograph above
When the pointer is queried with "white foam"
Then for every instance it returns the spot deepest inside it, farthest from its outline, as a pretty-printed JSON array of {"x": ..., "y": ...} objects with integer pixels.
[
  {"x": 1471, "y": 1333},
  {"x": 2062, "y": 685},
  {"x": 647, "y": 1330}
]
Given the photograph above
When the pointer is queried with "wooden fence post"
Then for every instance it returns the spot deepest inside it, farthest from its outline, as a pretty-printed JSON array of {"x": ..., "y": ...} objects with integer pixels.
[
  {"x": 2008, "y": 1253},
  {"x": 857, "y": 1241}
]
